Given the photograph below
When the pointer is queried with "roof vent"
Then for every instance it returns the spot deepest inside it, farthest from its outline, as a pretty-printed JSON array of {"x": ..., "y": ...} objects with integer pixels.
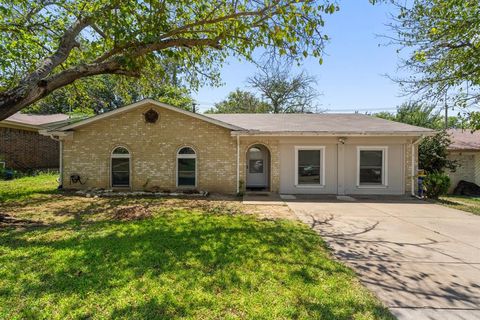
[{"x": 151, "y": 116}]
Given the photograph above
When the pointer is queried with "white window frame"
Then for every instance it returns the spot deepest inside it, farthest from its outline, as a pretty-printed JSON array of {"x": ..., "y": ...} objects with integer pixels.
[
  {"x": 186, "y": 156},
  {"x": 121, "y": 156},
  {"x": 322, "y": 163},
  {"x": 384, "y": 150}
]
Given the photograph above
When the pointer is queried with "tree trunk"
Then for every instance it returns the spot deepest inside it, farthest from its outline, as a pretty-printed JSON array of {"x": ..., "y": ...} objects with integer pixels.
[
  {"x": 18, "y": 98},
  {"x": 14, "y": 100}
]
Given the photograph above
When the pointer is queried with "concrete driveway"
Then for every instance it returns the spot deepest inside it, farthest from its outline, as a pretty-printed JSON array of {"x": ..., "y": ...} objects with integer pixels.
[{"x": 422, "y": 260}]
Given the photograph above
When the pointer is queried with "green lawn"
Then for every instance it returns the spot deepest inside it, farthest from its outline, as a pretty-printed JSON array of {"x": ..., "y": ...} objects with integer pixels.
[
  {"x": 468, "y": 204},
  {"x": 183, "y": 263},
  {"x": 27, "y": 187}
]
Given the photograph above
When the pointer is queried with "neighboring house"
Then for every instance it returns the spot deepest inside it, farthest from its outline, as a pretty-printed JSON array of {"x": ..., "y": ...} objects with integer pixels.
[
  {"x": 23, "y": 148},
  {"x": 150, "y": 145},
  {"x": 465, "y": 149}
]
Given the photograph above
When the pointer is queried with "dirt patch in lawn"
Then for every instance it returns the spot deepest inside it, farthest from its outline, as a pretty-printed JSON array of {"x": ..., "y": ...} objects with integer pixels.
[
  {"x": 135, "y": 212},
  {"x": 271, "y": 212},
  {"x": 217, "y": 203},
  {"x": 7, "y": 220},
  {"x": 57, "y": 209}
]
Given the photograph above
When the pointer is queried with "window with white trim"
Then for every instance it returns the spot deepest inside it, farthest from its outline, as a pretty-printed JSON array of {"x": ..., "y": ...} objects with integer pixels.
[
  {"x": 372, "y": 166},
  {"x": 186, "y": 167},
  {"x": 310, "y": 166},
  {"x": 120, "y": 166}
]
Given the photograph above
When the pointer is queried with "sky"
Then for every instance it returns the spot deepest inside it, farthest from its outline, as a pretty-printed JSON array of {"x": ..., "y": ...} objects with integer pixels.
[{"x": 352, "y": 76}]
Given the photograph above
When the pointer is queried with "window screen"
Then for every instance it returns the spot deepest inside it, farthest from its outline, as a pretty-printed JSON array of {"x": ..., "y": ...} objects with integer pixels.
[
  {"x": 120, "y": 172},
  {"x": 186, "y": 172}
]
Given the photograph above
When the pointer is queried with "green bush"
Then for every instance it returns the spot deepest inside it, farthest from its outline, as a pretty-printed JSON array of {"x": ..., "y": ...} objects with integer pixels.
[
  {"x": 436, "y": 184},
  {"x": 10, "y": 174},
  {"x": 433, "y": 153}
]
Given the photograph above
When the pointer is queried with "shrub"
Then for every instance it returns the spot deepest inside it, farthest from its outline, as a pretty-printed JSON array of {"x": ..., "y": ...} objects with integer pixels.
[
  {"x": 436, "y": 184},
  {"x": 8, "y": 174},
  {"x": 433, "y": 153}
]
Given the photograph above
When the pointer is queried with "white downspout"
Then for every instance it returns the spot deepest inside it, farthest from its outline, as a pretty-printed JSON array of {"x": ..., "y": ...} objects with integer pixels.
[
  {"x": 60, "y": 159},
  {"x": 414, "y": 143},
  {"x": 60, "y": 167},
  {"x": 238, "y": 164}
]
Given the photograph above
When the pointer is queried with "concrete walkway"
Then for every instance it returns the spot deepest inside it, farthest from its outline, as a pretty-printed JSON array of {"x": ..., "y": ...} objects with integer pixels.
[
  {"x": 422, "y": 260},
  {"x": 265, "y": 198}
]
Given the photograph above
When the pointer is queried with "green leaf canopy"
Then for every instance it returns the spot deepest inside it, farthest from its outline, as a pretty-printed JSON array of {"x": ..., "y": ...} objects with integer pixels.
[{"x": 46, "y": 45}]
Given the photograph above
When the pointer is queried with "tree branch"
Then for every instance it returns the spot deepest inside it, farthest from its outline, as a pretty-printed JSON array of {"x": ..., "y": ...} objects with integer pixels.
[
  {"x": 44, "y": 87},
  {"x": 67, "y": 43}
]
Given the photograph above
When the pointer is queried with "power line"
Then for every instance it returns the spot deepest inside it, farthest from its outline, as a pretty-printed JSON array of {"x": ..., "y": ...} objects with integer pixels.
[
  {"x": 203, "y": 105},
  {"x": 346, "y": 109}
]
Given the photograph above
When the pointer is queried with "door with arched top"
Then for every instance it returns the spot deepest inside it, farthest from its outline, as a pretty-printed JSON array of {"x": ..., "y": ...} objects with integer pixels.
[{"x": 258, "y": 159}]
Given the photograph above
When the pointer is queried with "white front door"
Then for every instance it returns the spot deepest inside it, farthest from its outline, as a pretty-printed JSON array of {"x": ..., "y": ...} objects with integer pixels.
[{"x": 257, "y": 167}]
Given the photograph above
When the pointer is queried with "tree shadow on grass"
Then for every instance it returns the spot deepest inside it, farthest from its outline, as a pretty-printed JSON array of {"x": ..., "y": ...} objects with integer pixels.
[
  {"x": 150, "y": 309},
  {"x": 179, "y": 263},
  {"x": 447, "y": 202},
  {"x": 65, "y": 210},
  {"x": 25, "y": 196}
]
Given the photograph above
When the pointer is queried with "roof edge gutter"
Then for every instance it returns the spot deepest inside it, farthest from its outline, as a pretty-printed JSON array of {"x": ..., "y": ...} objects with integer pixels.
[
  {"x": 55, "y": 133},
  {"x": 21, "y": 124},
  {"x": 330, "y": 134}
]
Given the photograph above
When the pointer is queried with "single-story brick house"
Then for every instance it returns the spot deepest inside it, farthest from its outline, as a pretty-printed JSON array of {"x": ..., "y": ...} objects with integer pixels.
[
  {"x": 150, "y": 145},
  {"x": 465, "y": 149},
  {"x": 21, "y": 145}
]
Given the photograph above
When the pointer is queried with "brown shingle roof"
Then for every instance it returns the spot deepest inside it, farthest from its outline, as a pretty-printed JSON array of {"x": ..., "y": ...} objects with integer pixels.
[
  {"x": 36, "y": 119},
  {"x": 319, "y": 123},
  {"x": 464, "y": 139},
  {"x": 282, "y": 124}
]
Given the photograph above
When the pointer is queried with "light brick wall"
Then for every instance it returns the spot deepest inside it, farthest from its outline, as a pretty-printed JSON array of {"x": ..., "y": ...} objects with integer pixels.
[
  {"x": 408, "y": 168},
  {"x": 153, "y": 149},
  {"x": 466, "y": 169},
  {"x": 477, "y": 168}
]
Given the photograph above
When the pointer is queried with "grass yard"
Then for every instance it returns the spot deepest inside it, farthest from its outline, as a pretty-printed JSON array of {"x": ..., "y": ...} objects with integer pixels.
[
  {"x": 27, "y": 188},
  {"x": 67, "y": 257},
  {"x": 464, "y": 203}
]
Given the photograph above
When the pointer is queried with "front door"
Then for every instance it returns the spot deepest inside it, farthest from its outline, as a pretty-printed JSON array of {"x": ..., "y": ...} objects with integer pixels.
[{"x": 257, "y": 167}]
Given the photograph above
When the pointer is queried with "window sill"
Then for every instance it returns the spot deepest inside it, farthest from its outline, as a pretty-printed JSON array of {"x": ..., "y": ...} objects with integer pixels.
[
  {"x": 382, "y": 186},
  {"x": 309, "y": 186},
  {"x": 120, "y": 188}
]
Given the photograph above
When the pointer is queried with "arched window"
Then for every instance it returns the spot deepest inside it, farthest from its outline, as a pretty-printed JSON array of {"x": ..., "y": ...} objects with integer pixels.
[
  {"x": 186, "y": 167},
  {"x": 120, "y": 167}
]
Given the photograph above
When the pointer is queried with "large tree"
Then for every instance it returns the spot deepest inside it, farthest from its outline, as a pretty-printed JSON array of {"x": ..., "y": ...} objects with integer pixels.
[
  {"x": 46, "y": 45},
  {"x": 286, "y": 93},
  {"x": 442, "y": 42},
  {"x": 103, "y": 93},
  {"x": 427, "y": 116},
  {"x": 414, "y": 113},
  {"x": 240, "y": 101},
  {"x": 433, "y": 151}
]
